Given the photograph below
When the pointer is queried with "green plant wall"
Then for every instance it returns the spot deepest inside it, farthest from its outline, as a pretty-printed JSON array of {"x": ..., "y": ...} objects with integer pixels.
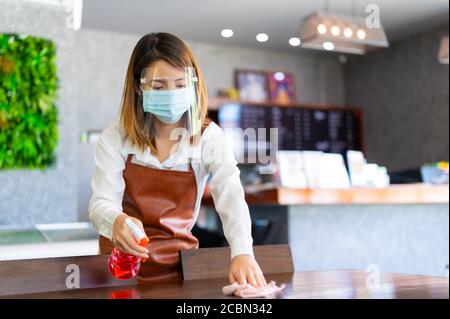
[{"x": 28, "y": 90}]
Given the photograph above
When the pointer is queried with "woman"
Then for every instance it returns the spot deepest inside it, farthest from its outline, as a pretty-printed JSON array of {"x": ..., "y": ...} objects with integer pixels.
[{"x": 145, "y": 171}]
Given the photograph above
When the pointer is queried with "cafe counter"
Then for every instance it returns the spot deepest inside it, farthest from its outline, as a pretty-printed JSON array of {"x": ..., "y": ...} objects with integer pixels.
[{"x": 401, "y": 228}]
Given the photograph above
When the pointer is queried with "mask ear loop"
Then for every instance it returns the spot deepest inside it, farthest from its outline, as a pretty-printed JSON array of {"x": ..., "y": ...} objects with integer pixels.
[{"x": 151, "y": 128}]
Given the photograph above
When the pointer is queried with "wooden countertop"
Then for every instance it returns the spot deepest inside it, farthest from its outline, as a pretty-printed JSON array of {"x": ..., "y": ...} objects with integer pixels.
[
  {"x": 394, "y": 194},
  {"x": 55, "y": 278},
  {"x": 346, "y": 284}
]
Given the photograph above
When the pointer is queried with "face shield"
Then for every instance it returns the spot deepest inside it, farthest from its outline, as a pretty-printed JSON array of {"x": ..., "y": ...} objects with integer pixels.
[{"x": 170, "y": 96}]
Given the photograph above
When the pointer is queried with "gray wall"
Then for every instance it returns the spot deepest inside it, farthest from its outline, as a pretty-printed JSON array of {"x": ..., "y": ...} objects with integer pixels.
[
  {"x": 102, "y": 59},
  {"x": 404, "y": 93},
  {"x": 28, "y": 197}
]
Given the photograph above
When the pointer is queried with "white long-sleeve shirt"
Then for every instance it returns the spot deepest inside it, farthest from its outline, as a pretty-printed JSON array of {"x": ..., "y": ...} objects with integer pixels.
[{"x": 211, "y": 157}]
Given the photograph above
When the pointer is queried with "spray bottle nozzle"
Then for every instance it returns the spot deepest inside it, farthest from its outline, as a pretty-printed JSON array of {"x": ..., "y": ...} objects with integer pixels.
[{"x": 138, "y": 234}]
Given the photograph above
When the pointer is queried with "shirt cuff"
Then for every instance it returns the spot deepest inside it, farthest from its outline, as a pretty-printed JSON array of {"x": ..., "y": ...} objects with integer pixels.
[
  {"x": 240, "y": 247},
  {"x": 106, "y": 225}
]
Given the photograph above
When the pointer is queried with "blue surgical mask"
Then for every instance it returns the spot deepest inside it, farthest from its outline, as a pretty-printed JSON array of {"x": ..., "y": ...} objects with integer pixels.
[{"x": 167, "y": 105}]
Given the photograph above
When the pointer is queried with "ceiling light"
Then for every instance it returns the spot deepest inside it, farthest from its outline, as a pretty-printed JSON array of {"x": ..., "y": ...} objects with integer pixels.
[
  {"x": 361, "y": 34},
  {"x": 348, "y": 34},
  {"x": 322, "y": 28},
  {"x": 279, "y": 76},
  {"x": 262, "y": 37},
  {"x": 227, "y": 33},
  {"x": 335, "y": 30},
  {"x": 443, "y": 51},
  {"x": 329, "y": 46},
  {"x": 295, "y": 42}
]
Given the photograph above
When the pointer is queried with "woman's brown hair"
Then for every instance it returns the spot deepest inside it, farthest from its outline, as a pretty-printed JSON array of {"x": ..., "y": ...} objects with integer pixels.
[{"x": 150, "y": 48}]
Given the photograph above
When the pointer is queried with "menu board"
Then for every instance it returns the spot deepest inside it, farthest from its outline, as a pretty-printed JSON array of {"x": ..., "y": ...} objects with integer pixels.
[{"x": 299, "y": 128}]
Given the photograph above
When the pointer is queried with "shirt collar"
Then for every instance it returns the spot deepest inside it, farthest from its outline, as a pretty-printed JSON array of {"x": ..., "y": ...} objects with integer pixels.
[{"x": 184, "y": 152}]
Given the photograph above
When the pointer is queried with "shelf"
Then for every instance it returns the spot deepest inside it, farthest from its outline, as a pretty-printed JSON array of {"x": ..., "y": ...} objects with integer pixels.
[
  {"x": 214, "y": 103},
  {"x": 395, "y": 194}
]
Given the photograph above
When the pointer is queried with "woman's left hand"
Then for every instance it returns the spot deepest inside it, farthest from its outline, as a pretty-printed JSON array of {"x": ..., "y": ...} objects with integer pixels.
[{"x": 245, "y": 269}]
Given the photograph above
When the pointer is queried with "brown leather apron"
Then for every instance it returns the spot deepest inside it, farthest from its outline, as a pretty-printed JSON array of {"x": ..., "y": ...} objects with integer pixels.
[{"x": 164, "y": 200}]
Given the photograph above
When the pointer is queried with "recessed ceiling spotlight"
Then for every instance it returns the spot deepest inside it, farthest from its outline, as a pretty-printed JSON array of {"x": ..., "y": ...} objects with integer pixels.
[
  {"x": 335, "y": 30},
  {"x": 361, "y": 34},
  {"x": 227, "y": 33},
  {"x": 279, "y": 76},
  {"x": 329, "y": 46},
  {"x": 295, "y": 42},
  {"x": 322, "y": 28},
  {"x": 262, "y": 37}
]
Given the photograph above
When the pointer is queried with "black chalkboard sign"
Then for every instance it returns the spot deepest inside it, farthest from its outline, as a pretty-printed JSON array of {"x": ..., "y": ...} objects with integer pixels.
[{"x": 327, "y": 129}]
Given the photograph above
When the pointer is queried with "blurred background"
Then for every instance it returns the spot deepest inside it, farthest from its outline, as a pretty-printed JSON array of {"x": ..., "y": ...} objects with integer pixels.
[{"x": 357, "y": 89}]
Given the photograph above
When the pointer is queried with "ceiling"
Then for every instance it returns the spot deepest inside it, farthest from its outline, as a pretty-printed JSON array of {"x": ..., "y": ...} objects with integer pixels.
[{"x": 203, "y": 20}]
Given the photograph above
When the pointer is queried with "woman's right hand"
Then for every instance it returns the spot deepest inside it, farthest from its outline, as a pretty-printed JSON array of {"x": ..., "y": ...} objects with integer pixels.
[{"x": 123, "y": 239}]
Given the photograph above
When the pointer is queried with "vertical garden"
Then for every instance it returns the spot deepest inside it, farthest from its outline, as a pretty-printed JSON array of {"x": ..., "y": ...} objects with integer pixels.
[{"x": 28, "y": 91}]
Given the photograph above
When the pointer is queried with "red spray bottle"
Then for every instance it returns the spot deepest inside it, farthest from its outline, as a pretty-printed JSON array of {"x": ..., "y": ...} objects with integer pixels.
[{"x": 125, "y": 266}]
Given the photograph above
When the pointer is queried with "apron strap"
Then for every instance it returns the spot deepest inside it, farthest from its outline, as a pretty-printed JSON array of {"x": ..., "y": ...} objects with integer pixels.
[
  {"x": 191, "y": 168},
  {"x": 129, "y": 158}
]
